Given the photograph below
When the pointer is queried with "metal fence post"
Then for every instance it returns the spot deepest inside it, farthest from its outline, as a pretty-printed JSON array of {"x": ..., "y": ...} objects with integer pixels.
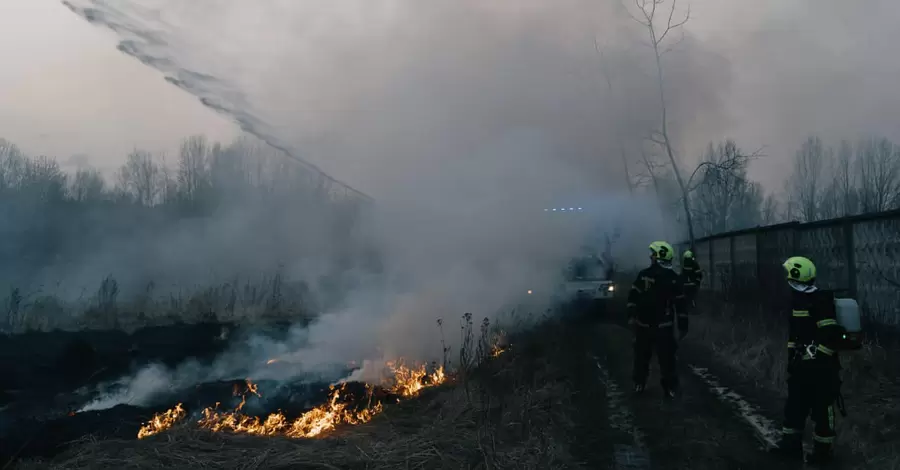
[
  {"x": 759, "y": 284},
  {"x": 732, "y": 288},
  {"x": 711, "y": 245},
  {"x": 849, "y": 245}
]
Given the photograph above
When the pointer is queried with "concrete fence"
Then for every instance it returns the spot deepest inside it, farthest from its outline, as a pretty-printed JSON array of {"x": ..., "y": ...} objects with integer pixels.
[{"x": 859, "y": 255}]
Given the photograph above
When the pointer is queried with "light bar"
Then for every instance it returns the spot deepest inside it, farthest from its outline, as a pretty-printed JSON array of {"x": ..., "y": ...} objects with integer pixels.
[{"x": 565, "y": 209}]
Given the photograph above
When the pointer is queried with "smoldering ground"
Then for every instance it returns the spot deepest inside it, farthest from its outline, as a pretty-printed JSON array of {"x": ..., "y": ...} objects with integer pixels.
[{"x": 463, "y": 120}]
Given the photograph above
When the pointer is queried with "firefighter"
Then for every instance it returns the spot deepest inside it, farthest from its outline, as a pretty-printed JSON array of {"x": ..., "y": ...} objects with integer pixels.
[
  {"x": 691, "y": 276},
  {"x": 813, "y": 365},
  {"x": 653, "y": 302}
]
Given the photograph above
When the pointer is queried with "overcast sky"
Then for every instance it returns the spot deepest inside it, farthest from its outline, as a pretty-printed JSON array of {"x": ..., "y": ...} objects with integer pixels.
[
  {"x": 65, "y": 90},
  {"x": 794, "y": 67}
]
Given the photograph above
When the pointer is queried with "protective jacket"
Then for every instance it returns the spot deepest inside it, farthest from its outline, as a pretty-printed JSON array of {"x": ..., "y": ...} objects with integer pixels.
[
  {"x": 656, "y": 297},
  {"x": 813, "y": 370},
  {"x": 692, "y": 276},
  {"x": 814, "y": 333}
]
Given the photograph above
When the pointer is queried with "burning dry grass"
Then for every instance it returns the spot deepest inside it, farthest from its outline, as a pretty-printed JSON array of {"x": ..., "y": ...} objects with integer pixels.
[
  {"x": 343, "y": 407},
  {"x": 756, "y": 349},
  {"x": 509, "y": 412}
]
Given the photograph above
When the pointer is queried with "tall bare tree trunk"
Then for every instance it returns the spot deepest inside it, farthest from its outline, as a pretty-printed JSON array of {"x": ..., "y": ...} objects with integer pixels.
[{"x": 668, "y": 143}]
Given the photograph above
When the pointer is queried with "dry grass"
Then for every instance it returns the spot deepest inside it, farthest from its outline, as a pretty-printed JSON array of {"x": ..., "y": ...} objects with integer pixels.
[
  {"x": 757, "y": 350},
  {"x": 509, "y": 412}
]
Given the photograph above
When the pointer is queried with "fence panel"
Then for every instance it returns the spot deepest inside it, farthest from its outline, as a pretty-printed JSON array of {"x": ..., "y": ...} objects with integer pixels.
[
  {"x": 744, "y": 274},
  {"x": 826, "y": 246},
  {"x": 702, "y": 255},
  {"x": 857, "y": 254},
  {"x": 722, "y": 269},
  {"x": 877, "y": 254},
  {"x": 774, "y": 247}
]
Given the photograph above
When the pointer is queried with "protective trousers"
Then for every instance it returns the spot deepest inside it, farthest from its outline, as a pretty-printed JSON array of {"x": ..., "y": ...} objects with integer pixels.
[
  {"x": 690, "y": 293},
  {"x": 646, "y": 340},
  {"x": 812, "y": 391}
]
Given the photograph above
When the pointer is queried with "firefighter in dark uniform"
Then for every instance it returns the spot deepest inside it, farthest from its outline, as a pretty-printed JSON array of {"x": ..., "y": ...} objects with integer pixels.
[
  {"x": 813, "y": 365},
  {"x": 691, "y": 276},
  {"x": 656, "y": 297}
]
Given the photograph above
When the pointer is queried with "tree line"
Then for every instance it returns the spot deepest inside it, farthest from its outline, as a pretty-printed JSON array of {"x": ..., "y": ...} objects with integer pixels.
[
  {"x": 825, "y": 182},
  {"x": 222, "y": 208},
  {"x": 204, "y": 175}
]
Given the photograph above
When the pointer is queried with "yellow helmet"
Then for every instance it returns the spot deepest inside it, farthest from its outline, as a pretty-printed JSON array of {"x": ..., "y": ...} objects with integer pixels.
[
  {"x": 662, "y": 250},
  {"x": 800, "y": 270},
  {"x": 688, "y": 254}
]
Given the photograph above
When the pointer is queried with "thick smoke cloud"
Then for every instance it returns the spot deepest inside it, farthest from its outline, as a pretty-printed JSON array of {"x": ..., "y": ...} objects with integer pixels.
[{"x": 464, "y": 120}]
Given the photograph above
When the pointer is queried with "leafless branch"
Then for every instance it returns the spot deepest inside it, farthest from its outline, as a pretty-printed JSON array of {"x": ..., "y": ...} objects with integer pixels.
[
  {"x": 640, "y": 6},
  {"x": 673, "y": 45},
  {"x": 722, "y": 167},
  {"x": 669, "y": 25}
]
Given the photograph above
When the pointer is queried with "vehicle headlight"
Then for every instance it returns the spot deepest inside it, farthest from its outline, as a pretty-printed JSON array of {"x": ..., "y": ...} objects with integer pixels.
[
  {"x": 529, "y": 291},
  {"x": 611, "y": 288}
]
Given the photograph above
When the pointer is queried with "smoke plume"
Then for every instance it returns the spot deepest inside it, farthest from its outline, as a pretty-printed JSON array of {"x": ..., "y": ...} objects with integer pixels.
[{"x": 464, "y": 120}]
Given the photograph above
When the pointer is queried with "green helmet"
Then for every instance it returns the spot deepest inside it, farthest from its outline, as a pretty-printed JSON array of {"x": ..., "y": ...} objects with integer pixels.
[
  {"x": 662, "y": 250},
  {"x": 800, "y": 270},
  {"x": 688, "y": 254}
]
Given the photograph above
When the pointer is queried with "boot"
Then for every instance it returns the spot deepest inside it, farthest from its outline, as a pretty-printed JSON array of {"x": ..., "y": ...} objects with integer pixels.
[
  {"x": 822, "y": 454},
  {"x": 790, "y": 447}
]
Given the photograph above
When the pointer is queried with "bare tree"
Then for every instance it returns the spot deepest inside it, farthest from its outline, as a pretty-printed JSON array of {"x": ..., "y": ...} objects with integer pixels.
[
  {"x": 805, "y": 186},
  {"x": 12, "y": 165},
  {"x": 657, "y": 32},
  {"x": 723, "y": 198},
  {"x": 193, "y": 174},
  {"x": 878, "y": 169},
  {"x": 845, "y": 180},
  {"x": 838, "y": 198},
  {"x": 43, "y": 180},
  {"x": 140, "y": 176},
  {"x": 87, "y": 185},
  {"x": 228, "y": 168},
  {"x": 769, "y": 213},
  {"x": 650, "y": 174}
]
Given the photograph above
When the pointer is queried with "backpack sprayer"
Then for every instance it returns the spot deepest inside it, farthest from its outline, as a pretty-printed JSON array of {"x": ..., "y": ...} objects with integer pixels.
[{"x": 846, "y": 312}]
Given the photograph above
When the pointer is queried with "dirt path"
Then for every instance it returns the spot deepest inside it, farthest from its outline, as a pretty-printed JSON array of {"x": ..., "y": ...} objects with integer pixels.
[
  {"x": 605, "y": 434},
  {"x": 698, "y": 430}
]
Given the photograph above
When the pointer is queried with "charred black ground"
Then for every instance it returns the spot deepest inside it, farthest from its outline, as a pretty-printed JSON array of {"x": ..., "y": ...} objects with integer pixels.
[
  {"x": 47, "y": 377},
  {"x": 28, "y": 436}
]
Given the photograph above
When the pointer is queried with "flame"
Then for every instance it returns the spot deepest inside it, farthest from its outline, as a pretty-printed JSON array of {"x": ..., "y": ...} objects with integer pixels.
[
  {"x": 408, "y": 382},
  {"x": 499, "y": 345},
  {"x": 402, "y": 381},
  {"x": 313, "y": 423},
  {"x": 271, "y": 361},
  {"x": 162, "y": 421}
]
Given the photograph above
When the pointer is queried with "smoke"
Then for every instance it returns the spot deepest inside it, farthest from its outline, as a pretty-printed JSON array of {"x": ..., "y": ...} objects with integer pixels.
[
  {"x": 464, "y": 121},
  {"x": 803, "y": 67}
]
